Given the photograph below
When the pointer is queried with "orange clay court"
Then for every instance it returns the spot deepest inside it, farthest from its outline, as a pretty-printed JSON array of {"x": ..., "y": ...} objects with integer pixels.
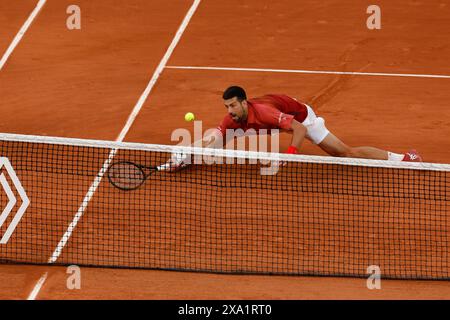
[{"x": 136, "y": 67}]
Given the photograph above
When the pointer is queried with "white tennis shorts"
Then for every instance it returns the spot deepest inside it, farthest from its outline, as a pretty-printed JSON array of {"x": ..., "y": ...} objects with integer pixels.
[{"x": 315, "y": 126}]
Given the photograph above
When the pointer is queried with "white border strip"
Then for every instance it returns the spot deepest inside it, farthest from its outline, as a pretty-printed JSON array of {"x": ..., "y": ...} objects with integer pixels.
[
  {"x": 21, "y": 33},
  {"x": 123, "y": 133},
  {"x": 378, "y": 74},
  {"x": 239, "y": 154}
]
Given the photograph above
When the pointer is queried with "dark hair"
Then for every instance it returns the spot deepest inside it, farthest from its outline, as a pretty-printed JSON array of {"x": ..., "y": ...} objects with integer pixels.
[{"x": 234, "y": 91}]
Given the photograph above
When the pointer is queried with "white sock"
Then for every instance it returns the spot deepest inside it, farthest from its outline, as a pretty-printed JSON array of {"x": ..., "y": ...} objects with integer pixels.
[{"x": 395, "y": 156}]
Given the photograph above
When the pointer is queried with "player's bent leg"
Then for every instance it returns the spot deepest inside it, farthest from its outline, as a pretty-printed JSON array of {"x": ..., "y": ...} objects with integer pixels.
[
  {"x": 316, "y": 131},
  {"x": 318, "y": 134},
  {"x": 336, "y": 148},
  {"x": 368, "y": 153}
]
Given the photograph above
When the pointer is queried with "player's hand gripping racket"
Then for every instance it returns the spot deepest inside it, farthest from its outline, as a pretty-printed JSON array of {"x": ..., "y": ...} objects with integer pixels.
[{"x": 126, "y": 175}]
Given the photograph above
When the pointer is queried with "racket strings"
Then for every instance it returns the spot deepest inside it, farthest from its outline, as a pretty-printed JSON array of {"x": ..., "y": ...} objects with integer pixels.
[{"x": 126, "y": 175}]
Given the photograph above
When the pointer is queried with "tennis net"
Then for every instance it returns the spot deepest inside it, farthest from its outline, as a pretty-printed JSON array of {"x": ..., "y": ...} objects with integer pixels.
[{"x": 310, "y": 216}]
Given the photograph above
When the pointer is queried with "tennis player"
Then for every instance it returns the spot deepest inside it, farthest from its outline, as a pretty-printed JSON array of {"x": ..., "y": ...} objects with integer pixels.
[{"x": 278, "y": 111}]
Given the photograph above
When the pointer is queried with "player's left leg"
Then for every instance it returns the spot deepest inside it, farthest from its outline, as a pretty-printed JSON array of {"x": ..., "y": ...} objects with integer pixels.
[
  {"x": 321, "y": 136},
  {"x": 336, "y": 148}
]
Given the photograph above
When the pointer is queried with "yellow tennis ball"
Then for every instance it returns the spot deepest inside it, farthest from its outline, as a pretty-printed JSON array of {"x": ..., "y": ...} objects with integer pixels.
[{"x": 189, "y": 116}]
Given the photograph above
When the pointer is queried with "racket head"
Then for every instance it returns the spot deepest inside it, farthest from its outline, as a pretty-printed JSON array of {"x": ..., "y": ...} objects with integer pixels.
[{"x": 126, "y": 175}]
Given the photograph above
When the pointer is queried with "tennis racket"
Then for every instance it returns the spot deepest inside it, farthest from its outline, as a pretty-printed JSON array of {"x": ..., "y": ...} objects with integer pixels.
[{"x": 127, "y": 175}]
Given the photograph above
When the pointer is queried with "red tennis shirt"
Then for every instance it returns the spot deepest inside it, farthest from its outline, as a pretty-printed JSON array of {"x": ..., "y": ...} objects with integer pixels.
[{"x": 271, "y": 111}]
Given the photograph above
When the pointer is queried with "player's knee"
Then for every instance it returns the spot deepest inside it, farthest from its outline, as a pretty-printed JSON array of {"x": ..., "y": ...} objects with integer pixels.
[{"x": 352, "y": 153}]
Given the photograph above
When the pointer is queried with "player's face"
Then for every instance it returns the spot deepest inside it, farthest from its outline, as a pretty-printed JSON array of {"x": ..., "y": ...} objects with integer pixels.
[{"x": 236, "y": 109}]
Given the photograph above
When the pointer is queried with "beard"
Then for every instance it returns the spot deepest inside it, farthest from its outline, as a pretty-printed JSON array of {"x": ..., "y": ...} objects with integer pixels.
[
  {"x": 239, "y": 118},
  {"x": 236, "y": 118}
]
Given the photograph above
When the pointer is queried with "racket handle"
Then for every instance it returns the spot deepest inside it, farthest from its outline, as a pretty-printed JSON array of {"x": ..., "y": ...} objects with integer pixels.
[
  {"x": 170, "y": 167},
  {"x": 164, "y": 167}
]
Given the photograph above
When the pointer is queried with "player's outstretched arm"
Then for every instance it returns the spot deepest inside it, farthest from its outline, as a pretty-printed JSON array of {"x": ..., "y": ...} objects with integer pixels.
[{"x": 179, "y": 160}]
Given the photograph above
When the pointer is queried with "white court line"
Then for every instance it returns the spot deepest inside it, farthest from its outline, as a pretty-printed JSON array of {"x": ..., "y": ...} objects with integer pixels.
[
  {"x": 21, "y": 33},
  {"x": 313, "y": 72},
  {"x": 37, "y": 287},
  {"x": 120, "y": 138},
  {"x": 159, "y": 70},
  {"x": 124, "y": 131}
]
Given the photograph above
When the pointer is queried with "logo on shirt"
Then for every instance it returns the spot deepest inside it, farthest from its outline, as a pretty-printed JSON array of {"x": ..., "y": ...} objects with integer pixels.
[{"x": 281, "y": 118}]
